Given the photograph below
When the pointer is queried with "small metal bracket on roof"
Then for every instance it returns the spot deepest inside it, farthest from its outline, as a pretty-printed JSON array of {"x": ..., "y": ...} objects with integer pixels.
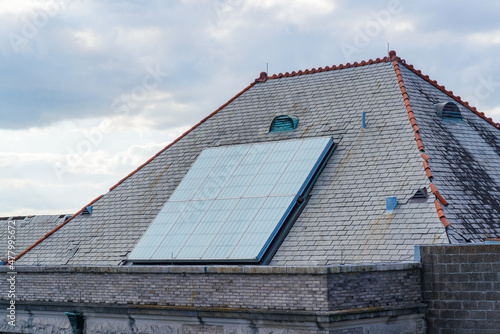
[
  {"x": 363, "y": 120},
  {"x": 390, "y": 203}
]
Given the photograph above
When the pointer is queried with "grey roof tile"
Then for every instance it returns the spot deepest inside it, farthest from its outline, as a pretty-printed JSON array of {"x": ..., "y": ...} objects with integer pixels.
[{"x": 345, "y": 219}]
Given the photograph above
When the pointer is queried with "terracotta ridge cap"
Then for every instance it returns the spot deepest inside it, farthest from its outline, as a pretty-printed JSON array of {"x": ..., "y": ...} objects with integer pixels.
[
  {"x": 449, "y": 93},
  {"x": 328, "y": 68},
  {"x": 183, "y": 135},
  {"x": 441, "y": 214},
  {"x": 438, "y": 195},
  {"x": 406, "y": 99},
  {"x": 427, "y": 169},
  {"x": 418, "y": 139},
  {"x": 54, "y": 230}
]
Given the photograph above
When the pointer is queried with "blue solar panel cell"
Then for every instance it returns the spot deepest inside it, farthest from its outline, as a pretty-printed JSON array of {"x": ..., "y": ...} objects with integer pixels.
[
  {"x": 219, "y": 175},
  {"x": 261, "y": 227},
  {"x": 246, "y": 171},
  {"x": 235, "y": 226},
  {"x": 197, "y": 174},
  {"x": 207, "y": 230},
  {"x": 182, "y": 229},
  {"x": 232, "y": 202}
]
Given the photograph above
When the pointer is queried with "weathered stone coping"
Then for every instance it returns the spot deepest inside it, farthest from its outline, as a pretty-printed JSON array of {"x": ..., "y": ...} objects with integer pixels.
[{"x": 219, "y": 269}]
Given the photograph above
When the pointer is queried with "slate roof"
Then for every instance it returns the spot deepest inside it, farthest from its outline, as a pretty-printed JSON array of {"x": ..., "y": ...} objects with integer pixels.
[
  {"x": 345, "y": 220},
  {"x": 27, "y": 230},
  {"x": 464, "y": 159}
]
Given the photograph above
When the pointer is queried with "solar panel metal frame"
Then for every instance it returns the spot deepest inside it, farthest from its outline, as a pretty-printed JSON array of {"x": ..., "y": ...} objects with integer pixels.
[{"x": 296, "y": 202}]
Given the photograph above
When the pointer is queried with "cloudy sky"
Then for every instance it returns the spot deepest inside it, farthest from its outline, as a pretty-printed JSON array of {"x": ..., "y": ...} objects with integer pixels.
[{"x": 89, "y": 90}]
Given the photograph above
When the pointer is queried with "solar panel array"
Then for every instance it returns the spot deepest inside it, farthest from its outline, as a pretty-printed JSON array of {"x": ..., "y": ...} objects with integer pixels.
[{"x": 232, "y": 202}]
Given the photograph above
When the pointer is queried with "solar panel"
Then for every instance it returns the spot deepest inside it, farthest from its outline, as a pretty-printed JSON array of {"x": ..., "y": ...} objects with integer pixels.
[{"x": 232, "y": 202}]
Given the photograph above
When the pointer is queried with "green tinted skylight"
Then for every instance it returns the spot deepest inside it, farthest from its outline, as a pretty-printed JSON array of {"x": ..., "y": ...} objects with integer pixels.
[{"x": 232, "y": 202}]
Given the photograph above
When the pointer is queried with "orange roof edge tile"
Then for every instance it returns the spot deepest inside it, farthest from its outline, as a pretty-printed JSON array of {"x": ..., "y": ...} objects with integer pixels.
[
  {"x": 427, "y": 168},
  {"x": 441, "y": 215},
  {"x": 445, "y": 222},
  {"x": 438, "y": 195},
  {"x": 418, "y": 138},
  {"x": 328, "y": 68}
]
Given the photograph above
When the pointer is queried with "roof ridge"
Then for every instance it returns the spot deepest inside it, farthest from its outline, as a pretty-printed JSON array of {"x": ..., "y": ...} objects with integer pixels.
[
  {"x": 329, "y": 68},
  {"x": 448, "y": 92},
  {"x": 418, "y": 139}
]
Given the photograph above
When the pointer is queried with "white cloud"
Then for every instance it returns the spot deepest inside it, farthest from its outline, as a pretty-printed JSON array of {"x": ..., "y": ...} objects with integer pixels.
[
  {"x": 298, "y": 12},
  {"x": 492, "y": 112},
  {"x": 403, "y": 26},
  {"x": 20, "y": 7},
  {"x": 484, "y": 38},
  {"x": 87, "y": 39}
]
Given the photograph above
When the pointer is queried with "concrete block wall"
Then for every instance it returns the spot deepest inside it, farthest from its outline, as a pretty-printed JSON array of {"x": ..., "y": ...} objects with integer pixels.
[{"x": 462, "y": 288}]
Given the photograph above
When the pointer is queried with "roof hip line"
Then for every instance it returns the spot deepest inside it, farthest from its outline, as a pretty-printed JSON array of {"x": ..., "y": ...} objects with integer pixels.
[{"x": 418, "y": 139}]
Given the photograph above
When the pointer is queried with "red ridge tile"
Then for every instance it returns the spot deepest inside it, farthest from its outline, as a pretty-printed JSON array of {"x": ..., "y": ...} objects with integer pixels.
[
  {"x": 441, "y": 215},
  {"x": 329, "y": 68},
  {"x": 427, "y": 168},
  {"x": 425, "y": 157},
  {"x": 262, "y": 77},
  {"x": 420, "y": 143},
  {"x": 437, "y": 194}
]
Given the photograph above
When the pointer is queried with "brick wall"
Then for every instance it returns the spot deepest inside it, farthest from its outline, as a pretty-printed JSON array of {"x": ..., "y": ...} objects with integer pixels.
[
  {"x": 462, "y": 288},
  {"x": 382, "y": 288},
  {"x": 268, "y": 288},
  {"x": 221, "y": 299}
]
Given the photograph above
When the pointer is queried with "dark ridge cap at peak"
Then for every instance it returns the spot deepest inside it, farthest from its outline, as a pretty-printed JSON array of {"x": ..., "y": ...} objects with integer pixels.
[
  {"x": 449, "y": 93},
  {"x": 328, "y": 68}
]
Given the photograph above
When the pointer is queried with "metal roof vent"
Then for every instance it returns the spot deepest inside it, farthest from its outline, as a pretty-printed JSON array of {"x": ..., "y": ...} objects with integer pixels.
[
  {"x": 284, "y": 123},
  {"x": 448, "y": 110},
  {"x": 87, "y": 210},
  {"x": 420, "y": 196}
]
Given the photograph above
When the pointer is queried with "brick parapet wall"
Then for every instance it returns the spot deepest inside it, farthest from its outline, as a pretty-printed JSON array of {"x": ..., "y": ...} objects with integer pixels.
[
  {"x": 462, "y": 288},
  {"x": 383, "y": 288},
  {"x": 232, "y": 287}
]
